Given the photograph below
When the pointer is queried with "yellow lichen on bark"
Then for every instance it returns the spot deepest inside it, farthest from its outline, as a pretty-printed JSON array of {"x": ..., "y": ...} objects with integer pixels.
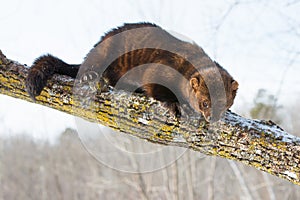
[{"x": 260, "y": 144}]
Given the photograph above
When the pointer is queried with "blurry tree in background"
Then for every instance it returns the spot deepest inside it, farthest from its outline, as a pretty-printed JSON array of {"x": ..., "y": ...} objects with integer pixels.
[
  {"x": 65, "y": 170},
  {"x": 37, "y": 170},
  {"x": 265, "y": 107}
]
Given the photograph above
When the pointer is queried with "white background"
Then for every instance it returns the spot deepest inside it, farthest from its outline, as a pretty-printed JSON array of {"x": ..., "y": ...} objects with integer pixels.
[{"x": 256, "y": 41}]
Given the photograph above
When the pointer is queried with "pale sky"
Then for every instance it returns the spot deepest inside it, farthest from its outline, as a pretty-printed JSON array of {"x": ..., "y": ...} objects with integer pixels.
[{"x": 256, "y": 41}]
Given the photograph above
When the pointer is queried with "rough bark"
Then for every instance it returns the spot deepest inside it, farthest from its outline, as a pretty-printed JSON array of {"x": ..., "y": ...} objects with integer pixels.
[{"x": 260, "y": 144}]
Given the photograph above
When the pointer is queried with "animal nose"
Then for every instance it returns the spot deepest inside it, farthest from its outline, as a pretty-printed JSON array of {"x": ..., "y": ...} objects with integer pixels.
[
  {"x": 208, "y": 118},
  {"x": 211, "y": 119},
  {"x": 214, "y": 117}
]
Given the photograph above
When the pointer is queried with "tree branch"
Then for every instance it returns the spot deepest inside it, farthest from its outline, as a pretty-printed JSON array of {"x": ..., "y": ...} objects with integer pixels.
[{"x": 260, "y": 144}]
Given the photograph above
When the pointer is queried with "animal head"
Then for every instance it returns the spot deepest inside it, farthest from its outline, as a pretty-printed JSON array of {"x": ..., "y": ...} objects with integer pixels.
[{"x": 203, "y": 102}]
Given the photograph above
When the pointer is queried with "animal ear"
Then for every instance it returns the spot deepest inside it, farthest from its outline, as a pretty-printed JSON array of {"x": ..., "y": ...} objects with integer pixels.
[
  {"x": 194, "y": 82},
  {"x": 234, "y": 85}
]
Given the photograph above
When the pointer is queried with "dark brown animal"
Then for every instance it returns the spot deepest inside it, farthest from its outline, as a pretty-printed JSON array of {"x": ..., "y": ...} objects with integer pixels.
[{"x": 148, "y": 57}]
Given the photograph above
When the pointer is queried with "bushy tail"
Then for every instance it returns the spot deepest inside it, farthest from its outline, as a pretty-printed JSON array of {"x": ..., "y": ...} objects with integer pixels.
[{"x": 42, "y": 69}]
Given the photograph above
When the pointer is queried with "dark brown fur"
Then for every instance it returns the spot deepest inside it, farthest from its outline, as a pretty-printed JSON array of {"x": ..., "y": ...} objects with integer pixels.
[{"x": 169, "y": 76}]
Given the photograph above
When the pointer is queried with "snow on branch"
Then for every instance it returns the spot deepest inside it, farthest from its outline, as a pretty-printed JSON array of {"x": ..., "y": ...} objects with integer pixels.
[{"x": 260, "y": 144}]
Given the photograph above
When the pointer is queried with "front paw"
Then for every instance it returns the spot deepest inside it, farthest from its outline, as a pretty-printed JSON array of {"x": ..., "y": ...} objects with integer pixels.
[
  {"x": 174, "y": 108},
  {"x": 35, "y": 82}
]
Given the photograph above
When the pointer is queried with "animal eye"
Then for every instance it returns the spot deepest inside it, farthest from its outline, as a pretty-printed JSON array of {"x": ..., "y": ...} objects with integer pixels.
[{"x": 205, "y": 104}]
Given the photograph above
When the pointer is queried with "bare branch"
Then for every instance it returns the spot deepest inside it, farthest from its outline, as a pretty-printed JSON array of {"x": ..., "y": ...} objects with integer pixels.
[{"x": 260, "y": 144}]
